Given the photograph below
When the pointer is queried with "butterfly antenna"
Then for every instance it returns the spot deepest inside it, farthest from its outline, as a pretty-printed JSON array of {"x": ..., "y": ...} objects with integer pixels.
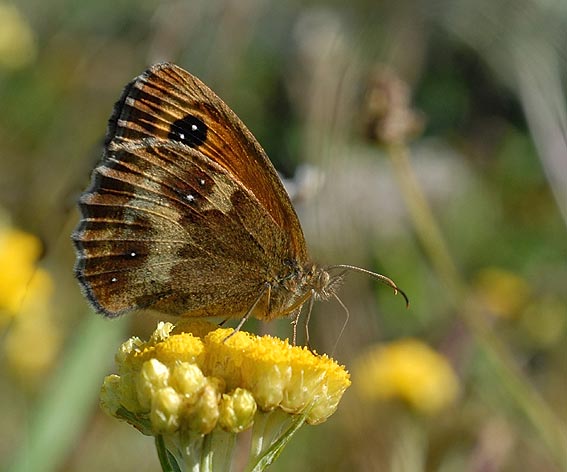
[
  {"x": 381, "y": 278},
  {"x": 344, "y": 324}
]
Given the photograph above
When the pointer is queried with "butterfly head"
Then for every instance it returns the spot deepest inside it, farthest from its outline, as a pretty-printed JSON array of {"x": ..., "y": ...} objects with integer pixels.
[{"x": 322, "y": 282}]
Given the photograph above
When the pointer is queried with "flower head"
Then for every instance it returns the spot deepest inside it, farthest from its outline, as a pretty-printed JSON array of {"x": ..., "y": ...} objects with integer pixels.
[
  {"x": 25, "y": 305},
  {"x": 277, "y": 374},
  {"x": 194, "y": 380},
  {"x": 21, "y": 281},
  {"x": 408, "y": 370},
  {"x": 179, "y": 381}
]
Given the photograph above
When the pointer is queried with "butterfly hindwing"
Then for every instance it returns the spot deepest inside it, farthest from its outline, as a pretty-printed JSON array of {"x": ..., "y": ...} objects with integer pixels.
[{"x": 158, "y": 231}]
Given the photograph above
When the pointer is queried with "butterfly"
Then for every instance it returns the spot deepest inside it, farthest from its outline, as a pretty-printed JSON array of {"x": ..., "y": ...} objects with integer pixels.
[{"x": 186, "y": 215}]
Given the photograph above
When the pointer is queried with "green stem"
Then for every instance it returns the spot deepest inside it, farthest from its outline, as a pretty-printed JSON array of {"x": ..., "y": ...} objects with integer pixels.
[
  {"x": 217, "y": 450},
  {"x": 192, "y": 452},
  {"x": 427, "y": 230}
]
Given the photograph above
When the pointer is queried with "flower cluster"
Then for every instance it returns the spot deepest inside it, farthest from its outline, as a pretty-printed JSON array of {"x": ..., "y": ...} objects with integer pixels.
[
  {"x": 195, "y": 377},
  {"x": 408, "y": 370},
  {"x": 26, "y": 315},
  {"x": 21, "y": 281}
]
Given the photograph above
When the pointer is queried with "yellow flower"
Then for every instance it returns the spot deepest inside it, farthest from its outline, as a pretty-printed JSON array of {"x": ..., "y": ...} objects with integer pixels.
[
  {"x": 31, "y": 347},
  {"x": 21, "y": 281},
  {"x": 17, "y": 42},
  {"x": 277, "y": 374},
  {"x": 504, "y": 293},
  {"x": 25, "y": 297},
  {"x": 173, "y": 376},
  {"x": 408, "y": 370},
  {"x": 177, "y": 385}
]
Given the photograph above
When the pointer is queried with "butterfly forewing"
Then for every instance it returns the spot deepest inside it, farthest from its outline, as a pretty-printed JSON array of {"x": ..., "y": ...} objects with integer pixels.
[
  {"x": 168, "y": 103},
  {"x": 159, "y": 227}
]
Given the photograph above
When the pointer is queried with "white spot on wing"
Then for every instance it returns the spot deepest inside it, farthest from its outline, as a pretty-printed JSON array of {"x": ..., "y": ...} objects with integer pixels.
[
  {"x": 220, "y": 196},
  {"x": 165, "y": 222}
]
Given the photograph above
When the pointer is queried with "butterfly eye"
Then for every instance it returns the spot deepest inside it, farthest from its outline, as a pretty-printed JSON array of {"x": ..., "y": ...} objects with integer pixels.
[{"x": 190, "y": 130}]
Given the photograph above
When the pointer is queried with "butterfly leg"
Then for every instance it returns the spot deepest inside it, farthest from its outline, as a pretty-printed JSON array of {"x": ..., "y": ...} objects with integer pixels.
[
  {"x": 307, "y": 318},
  {"x": 294, "y": 322},
  {"x": 295, "y": 314},
  {"x": 267, "y": 288}
]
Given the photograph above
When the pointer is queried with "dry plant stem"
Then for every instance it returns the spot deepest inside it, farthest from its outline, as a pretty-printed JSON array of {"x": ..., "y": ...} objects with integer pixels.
[
  {"x": 423, "y": 220},
  {"x": 548, "y": 428}
]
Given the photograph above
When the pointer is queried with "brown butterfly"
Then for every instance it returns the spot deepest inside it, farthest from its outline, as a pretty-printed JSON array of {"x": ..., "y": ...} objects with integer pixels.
[{"x": 186, "y": 214}]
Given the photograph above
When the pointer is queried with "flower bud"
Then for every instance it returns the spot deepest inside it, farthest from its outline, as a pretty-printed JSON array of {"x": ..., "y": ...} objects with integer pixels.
[
  {"x": 237, "y": 411},
  {"x": 164, "y": 413}
]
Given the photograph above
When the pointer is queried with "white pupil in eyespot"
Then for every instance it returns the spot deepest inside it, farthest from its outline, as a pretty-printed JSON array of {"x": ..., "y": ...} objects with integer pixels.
[
  {"x": 133, "y": 254},
  {"x": 202, "y": 181},
  {"x": 114, "y": 279},
  {"x": 194, "y": 128},
  {"x": 181, "y": 136},
  {"x": 190, "y": 198}
]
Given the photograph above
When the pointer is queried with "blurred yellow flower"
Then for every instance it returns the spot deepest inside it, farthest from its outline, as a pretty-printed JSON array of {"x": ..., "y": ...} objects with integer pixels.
[
  {"x": 20, "y": 279},
  {"x": 17, "y": 42},
  {"x": 408, "y": 370},
  {"x": 31, "y": 346},
  {"x": 25, "y": 295},
  {"x": 504, "y": 293}
]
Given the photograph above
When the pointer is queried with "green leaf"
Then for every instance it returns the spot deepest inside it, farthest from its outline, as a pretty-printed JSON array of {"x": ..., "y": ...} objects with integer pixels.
[
  {"x": 272, "y": 453},
  {"x": 166, "y": 459}
]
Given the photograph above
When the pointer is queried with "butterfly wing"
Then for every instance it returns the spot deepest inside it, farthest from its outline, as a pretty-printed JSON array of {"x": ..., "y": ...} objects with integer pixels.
[
  {"x": 166, "y": 227},
  {"x": 185, "y": 214},
  {"x": 168, "y": 103}
]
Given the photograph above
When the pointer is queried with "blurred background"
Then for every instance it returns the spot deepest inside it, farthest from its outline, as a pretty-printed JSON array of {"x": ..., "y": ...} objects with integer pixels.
[{"x": 426, "y": 140}]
